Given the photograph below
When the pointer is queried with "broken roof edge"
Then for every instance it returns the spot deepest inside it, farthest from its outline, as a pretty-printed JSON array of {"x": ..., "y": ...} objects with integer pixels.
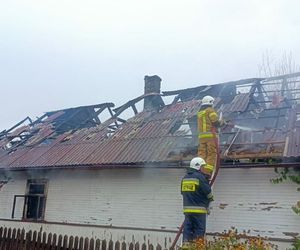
[
  {"x": 237, "y": 82},
  {"x": 100, "y": 105},
  {"x": 167, "y": 165}
]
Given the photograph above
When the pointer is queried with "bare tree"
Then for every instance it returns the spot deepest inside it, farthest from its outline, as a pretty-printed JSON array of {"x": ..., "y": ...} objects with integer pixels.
[{"x": 273, "y": 66}]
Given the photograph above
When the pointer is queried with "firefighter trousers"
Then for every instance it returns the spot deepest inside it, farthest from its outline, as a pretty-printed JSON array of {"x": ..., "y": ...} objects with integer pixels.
[
  {"x": 194, "y": 226},
  {"x": 207, "y": 150}
]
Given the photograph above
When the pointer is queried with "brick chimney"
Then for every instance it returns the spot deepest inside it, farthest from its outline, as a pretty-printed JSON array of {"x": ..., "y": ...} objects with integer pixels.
[{"x": 152, "y": 85}]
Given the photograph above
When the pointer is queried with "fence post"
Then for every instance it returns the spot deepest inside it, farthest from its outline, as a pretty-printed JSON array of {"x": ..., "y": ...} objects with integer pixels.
[
  {"x": 53, "y": 245},
  {"x": 3, "y": 243},
  {"x": 98, "y": 244},
  {"x": 92, "y": 244},
  {"x": 71, "y": 242},
  {"x": 86, "y": 243},
  {"x": 76, "y": 243},
  {"x": 117, "y": 245},
  {"x": 103, "y": 247},
  {"x": 16, "y": 246},
  {"x": 65, "y": 242},
  {"x": 9, "y": 238},
  {"x": 110, "y": 245},
  {"x": 21, "y": 240},
  {"x": 44, "y": 241},
  {"x": 49, "y": 242},
  {"x": 59, "y": 242},
  {"x": 131, "y": 246},
  {"x": 2, "y": 238},
  {"x": 14, "y": 239},
  {"x": 35, "y": 241},
  {"x": 28, "y": 240},
  {"x": 39, "y": 241},
  {"x": 81, "y": 243},
  {"x": 123, "y": 246}
]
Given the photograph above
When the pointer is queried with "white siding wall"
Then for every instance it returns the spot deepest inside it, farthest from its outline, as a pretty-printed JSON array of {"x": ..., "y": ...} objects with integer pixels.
[
  {"x": 16, "y": 186},
  {"x": 247, "y": 200},
  {"x": 129, "y": 198},
  {"x": 150, "y": 198}
]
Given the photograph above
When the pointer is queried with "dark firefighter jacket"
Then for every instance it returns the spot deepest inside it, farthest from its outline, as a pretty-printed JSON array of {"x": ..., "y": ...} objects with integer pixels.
[{"x": 196, "y": 192}]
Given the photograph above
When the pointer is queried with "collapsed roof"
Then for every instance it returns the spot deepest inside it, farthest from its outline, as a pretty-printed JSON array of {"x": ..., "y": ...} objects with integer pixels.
[{"x": 265, "y": 112}]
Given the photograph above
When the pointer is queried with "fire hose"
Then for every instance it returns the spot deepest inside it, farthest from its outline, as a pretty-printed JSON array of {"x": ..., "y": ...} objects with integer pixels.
[{"x": 210, "y": 183}]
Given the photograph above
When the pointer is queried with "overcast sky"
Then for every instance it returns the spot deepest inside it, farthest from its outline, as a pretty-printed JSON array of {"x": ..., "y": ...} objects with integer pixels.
[{"x": 58, "y": 54}]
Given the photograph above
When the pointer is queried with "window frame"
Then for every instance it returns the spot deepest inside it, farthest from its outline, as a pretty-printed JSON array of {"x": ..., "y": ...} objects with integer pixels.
[
  {"x": 44, "y": 182},
  {"x": 26, "y": 197}
]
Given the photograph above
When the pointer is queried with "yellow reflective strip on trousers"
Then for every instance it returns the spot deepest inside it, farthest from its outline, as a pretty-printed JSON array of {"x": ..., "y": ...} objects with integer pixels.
[
  {"x": 196, "y": 211},
  {"x": 206, "y": 135}
]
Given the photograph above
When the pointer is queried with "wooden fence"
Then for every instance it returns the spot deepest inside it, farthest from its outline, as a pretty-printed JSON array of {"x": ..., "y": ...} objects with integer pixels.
[{"x": 17, "y": 239}]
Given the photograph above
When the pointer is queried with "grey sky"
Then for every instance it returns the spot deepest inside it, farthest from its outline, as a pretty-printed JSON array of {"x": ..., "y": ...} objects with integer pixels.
[{"x": 57, "y": 54}]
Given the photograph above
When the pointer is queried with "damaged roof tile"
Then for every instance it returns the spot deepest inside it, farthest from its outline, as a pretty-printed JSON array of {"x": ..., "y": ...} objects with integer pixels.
[{"x": 77, "y": 137}]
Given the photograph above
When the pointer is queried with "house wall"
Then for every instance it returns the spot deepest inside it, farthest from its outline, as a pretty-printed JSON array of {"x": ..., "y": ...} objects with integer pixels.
[{"x": 145, "y": 204}]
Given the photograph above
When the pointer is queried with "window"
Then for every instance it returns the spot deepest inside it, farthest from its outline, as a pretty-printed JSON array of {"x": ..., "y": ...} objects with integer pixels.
[{"x": 35, "y": 199}]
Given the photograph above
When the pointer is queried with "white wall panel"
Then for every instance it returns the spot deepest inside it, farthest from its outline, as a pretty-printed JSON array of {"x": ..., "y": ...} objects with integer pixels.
[
  {"x": 247, "y": 200},
  {"x": 15, "y": 186},
  {"x": 132, "y": 198}
]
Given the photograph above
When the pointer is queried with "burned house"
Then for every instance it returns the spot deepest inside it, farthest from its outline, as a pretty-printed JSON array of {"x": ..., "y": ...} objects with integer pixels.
[{"x": 72, "y": 172}]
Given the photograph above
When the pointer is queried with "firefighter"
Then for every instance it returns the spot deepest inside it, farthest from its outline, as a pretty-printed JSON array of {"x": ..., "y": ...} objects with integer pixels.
[
  {"x": 197, "y": 195},
  {"x": 208, "y": 122}
]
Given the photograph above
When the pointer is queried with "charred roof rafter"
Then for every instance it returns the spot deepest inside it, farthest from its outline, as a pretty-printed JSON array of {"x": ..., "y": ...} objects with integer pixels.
[
  {"x": 5, "y": 132},
  {"x": 58, "y": 123},
  {"x": 200, "y": 91},
  {"x": 81, "y": 116},
  {"x": 132, "y": 104}
]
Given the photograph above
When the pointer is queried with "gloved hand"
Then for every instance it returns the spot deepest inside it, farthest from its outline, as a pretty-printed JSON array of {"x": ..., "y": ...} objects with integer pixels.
[
  {"x": 227, "y": 122},
  {"x": 227, "y": 125}
]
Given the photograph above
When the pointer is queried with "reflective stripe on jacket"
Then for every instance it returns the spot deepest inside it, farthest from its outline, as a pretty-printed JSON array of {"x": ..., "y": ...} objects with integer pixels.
[
  {"x": 206, "y": 119},
  {"x": 194, "y": 210}
]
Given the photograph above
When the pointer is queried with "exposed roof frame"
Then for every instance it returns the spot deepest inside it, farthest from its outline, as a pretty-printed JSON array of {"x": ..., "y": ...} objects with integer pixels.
[
  {"x": 5, "y": 132},
  {"x": 132, "y": 103},
  {"x": 93, "y": 115},
  {"x": 200, "y": 88}
]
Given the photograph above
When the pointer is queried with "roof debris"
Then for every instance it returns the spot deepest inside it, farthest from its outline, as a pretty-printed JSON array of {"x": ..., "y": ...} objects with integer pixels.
[{"x": 266, "y": 112}]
